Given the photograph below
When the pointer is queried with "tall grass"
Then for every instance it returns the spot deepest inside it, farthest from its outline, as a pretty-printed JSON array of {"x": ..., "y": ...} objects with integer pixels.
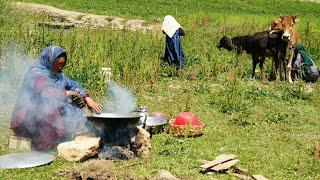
[
  {"x": 135, "y": 57},
  {"x": 269, "y": 125}
]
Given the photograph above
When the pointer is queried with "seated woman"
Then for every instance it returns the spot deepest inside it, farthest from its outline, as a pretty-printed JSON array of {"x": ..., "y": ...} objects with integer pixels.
[
  {"x": 43, "y": 111},
  {"x": 173, "y": 50},
  {"x": 303, "y": 66}
]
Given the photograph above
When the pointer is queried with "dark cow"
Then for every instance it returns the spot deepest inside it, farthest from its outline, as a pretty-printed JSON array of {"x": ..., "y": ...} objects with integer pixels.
[{"x": 260, "y": 45}]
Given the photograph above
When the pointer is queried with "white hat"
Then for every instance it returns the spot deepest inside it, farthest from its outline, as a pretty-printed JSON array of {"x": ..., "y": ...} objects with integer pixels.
[{"x": 170, "y": 25}]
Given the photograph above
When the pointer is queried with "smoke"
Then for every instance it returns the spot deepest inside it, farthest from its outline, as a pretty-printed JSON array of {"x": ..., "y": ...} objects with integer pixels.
[
  {"x": 119, "y": 100},
  {"x": 40, "y": 104},
  {"x": 13, "y": 67}
]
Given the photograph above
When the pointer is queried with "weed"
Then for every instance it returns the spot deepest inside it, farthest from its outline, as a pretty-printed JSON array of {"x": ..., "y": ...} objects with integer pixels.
[{"x": 243, "y": 119}]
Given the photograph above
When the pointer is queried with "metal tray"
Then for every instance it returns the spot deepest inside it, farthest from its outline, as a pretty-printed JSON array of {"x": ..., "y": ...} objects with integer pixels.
[{"x": 25, "y": 160}]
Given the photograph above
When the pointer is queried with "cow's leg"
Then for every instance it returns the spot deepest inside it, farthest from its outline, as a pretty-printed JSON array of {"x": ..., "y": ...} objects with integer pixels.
[
  {"x": 273, "y": 72},
  {"x": 239, "y": 52},
  {"x": 272, "y": 75},
  {"x": 281, "y": 62},
  {"x": 276, "y": 67},
  {"x": 289, "y": 65},
  {"x": 282, "y": 59},
  {"x": 284, "y": 64},
  {"x": 262, "y": 59},
  {"x": 254, "y": 65}
]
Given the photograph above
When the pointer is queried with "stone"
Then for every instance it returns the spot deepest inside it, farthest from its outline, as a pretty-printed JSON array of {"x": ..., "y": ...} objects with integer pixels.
[
  {"x": 80, "y": 149},
  {"x": 20, "y": 143},
  {"x": 164, "y": 175},
  {"x": 141, "y": 144}
]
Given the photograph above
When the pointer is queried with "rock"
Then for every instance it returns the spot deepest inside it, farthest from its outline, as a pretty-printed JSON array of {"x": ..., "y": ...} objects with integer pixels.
[
  {"x": 80, "y": 149},
  {"x": 20, "y": 143},
  {"x": 56, "y": 25},
  {"x": 164, "y": 175},
  {"x": 141, "y": 146}
]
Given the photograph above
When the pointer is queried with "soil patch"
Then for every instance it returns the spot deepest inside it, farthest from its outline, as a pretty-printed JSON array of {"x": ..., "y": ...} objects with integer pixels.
[
  {"x": 95, "y": 169},
  {"x": 84, "y": 19}
]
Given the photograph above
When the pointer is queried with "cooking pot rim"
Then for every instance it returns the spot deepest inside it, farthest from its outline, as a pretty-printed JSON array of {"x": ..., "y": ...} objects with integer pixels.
[{"x": 116, "y": 115}]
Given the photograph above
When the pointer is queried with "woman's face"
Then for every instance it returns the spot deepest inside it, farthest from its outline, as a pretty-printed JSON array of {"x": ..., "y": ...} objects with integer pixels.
[{"x": 58, "y": 64}]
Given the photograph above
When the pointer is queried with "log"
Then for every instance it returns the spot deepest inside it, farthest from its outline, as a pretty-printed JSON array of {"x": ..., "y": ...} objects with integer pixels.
[
  {"x": 218, "y": 160},
  {"x": 225, "y": 165},
  {"x": 259, "y": 177}
]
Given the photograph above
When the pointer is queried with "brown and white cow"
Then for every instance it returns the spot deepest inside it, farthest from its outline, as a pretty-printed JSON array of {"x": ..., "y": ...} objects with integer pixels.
[{"x": 290, "y": 37}]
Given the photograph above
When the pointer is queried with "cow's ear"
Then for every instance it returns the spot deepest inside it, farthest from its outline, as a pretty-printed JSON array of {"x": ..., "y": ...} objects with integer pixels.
[
  {"x": 274, "y": 23},
  {"x": 295, "y": 19}
]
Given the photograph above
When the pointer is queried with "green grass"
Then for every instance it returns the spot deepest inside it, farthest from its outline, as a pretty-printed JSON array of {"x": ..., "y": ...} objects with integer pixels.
[
  {"x": 270, "y": 126},
  {"x": 153, "y": 10}
]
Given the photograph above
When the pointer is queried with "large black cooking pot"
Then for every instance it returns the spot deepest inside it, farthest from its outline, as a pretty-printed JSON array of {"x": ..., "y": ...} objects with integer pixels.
[
  {"x": 110, "y": 127},
  {"x": 113, "y": 120}
]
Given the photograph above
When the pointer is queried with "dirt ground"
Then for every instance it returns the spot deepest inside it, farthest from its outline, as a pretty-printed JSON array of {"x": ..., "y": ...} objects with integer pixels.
[
  {"x": 95, "y": 169},
  {"x": 317, "y": 1},
  {"x": 84, "y": 19}
]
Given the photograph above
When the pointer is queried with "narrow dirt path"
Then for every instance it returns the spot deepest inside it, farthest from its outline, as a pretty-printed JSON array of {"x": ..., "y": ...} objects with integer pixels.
[
  {"x": 84, "y": 19},
  {"x": 316, "y": 1}
]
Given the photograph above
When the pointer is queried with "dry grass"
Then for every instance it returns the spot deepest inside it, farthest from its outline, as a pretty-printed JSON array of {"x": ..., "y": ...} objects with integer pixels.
[
  {"x": 315, "y": 150},
  {"x": 94, "y": 169}
]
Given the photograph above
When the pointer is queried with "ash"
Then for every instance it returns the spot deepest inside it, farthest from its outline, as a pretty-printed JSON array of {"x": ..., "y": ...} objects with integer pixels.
[{"x": 118, "y": 143}]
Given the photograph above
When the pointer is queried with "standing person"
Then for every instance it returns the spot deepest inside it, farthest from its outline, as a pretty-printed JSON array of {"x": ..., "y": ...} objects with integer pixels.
[
  {"x": 173, "y": 50},
  {"x": 303, "y": 65},
  {"x": 44, "y": 112}
]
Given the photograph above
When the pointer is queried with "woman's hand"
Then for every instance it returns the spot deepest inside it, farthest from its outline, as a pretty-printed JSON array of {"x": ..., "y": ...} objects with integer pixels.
[
  {"x": 76, "y": 98},
  {"x": 94, "y": 105}
]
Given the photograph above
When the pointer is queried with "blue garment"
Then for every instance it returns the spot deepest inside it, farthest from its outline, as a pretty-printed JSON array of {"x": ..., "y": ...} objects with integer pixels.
[
  {"x": 44, "y": 67},
  {"x": 43, "y": 112},
  {"x": 173, "y": 50}
]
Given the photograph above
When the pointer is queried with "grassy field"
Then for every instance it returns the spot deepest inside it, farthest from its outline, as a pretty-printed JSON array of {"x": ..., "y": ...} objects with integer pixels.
[{"x": 271, "y": 126}]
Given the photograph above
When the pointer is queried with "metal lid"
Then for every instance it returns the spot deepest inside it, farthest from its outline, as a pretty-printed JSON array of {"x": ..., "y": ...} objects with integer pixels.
[{"x": 155, "y": 121}]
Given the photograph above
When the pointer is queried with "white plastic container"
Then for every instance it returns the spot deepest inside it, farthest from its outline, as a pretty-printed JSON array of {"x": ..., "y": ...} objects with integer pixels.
[{"x": 106, "y": 72}]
